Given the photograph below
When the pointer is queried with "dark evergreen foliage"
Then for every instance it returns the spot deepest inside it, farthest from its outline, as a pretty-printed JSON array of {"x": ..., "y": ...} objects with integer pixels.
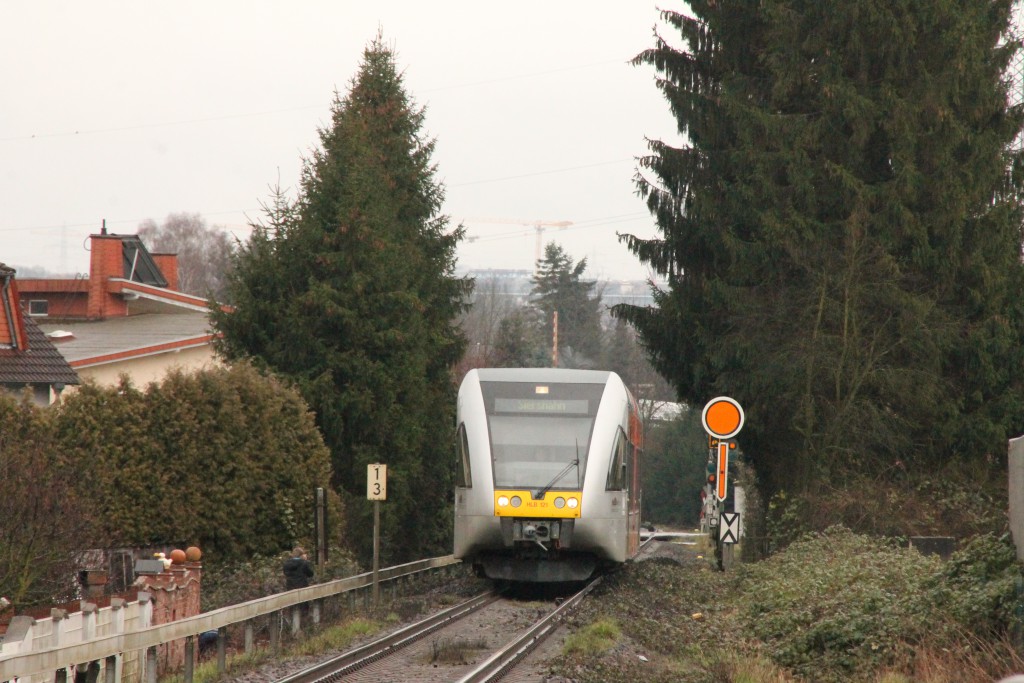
[
  {"x": 225, "y": 459},
  {"x": 841, "y": 235},
  {"x": 559, "y": 286},
  {"x": 44, "y": 523},
  {"x": 625, "y": 355},
  {"x": 351, "y": 292},
  {"x": 520, "y": 341},
  {"x": 675, "y": 454}
]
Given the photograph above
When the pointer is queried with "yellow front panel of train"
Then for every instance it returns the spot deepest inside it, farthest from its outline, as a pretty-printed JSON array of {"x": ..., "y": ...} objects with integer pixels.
[{"x": 554, "y": 505}]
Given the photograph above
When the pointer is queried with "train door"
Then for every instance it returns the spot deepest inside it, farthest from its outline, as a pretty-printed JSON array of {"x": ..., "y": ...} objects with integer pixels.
[{"x": 635, "y": 448}]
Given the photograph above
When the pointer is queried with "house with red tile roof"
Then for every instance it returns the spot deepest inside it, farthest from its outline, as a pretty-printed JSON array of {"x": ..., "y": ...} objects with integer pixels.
[
  {"x": 27, "y": 357},
  {"x": 126, "y": 317}
]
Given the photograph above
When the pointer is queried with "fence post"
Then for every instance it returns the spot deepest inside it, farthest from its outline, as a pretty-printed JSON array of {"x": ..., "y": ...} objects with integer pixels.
[
  {"x": 314, "y": 612},
  {"x": 190, "y": 661},
  {"x": 275, "y": 631},
  {"x": 111, "y": 669},
  {"x": 222, "y": 654},
  {"x": 151, "y": 664}
]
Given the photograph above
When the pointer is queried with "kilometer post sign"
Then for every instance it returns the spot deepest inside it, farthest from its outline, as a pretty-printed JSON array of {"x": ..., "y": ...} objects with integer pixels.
[
  {"x": 376, "y": 490},
  {"x": 376, "y": 482}
]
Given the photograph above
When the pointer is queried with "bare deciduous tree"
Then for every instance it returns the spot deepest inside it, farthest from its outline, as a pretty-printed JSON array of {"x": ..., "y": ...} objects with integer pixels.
[
  {"x": 204, "y": 253},
  {"x": 493, "y": 301}
]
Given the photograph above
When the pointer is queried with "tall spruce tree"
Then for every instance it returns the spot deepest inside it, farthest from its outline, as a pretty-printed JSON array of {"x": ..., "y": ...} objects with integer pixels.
[
  {"x": 351, "y": 292},
  {"x": 559, "y": 286},
  {"x": 840, "y": 234}
]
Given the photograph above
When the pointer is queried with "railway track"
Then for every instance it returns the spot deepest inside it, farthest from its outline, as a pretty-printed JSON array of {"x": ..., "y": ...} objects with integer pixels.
[
  {"x": 513, "y": 653},
  {"x": 482, "y": 639}
]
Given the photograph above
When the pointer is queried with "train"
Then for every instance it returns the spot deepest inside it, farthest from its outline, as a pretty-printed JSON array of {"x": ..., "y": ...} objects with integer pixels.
[{"x": 548, "y": 473}]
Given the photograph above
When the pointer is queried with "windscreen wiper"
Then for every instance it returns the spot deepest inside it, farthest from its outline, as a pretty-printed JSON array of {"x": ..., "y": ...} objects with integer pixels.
[{"x": 539, "y": 493}]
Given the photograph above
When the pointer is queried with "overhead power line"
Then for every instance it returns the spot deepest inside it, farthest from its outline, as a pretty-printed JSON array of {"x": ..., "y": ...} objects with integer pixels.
[{"x": 284, "y": 110}]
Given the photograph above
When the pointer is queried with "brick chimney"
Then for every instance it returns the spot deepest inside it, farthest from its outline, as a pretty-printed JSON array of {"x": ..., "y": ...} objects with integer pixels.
[
  {"x": 168, "y": 265},
  {"x": 106, "y": 261}
]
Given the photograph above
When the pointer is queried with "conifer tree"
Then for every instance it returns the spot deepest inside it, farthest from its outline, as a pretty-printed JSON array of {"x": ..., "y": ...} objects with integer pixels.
[
  {"x": 351, "y": 292},
  {"x": 520, "y": 341},
  {"x": 559, "y": 286},
  {"x": 840, "y": 235}
]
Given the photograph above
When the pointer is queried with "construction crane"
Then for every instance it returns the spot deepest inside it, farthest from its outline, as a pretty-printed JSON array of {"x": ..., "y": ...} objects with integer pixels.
[{"x": 538, "y": 226}]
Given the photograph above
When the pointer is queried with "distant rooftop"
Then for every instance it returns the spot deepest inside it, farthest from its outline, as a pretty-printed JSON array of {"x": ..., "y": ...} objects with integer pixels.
[{"x": 83, "y": 341}]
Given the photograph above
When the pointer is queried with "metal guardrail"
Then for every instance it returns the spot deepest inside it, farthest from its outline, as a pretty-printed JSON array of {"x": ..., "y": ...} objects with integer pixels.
[{"x": 49, "y": 660}]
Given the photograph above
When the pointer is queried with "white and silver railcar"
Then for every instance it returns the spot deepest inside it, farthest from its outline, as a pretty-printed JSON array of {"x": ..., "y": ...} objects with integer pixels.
[{"x": 548, "y": 486}]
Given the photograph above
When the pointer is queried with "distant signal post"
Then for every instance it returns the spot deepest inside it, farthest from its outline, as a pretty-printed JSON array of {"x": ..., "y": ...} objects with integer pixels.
[{"x": 722, "y": 419}]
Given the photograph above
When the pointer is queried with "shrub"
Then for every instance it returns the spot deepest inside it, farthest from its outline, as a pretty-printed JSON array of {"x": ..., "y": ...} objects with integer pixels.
[
  {"x": 226, "y": 459},
  {"x": 837, "y": 604},
  {"x": 978, "y": 587},
  {"x": 259, "y": 576},
  {"x": 957, "y": 499}
]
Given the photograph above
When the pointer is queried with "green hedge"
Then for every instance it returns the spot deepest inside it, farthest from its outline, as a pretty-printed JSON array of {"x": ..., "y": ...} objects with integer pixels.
[{"x": 226, "y": 459}]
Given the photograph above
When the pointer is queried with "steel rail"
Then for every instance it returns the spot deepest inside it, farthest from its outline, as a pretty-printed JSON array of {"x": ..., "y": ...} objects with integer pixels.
[
  {"x": 353, "y": 660},
  {"x": 501, "y": 662}
]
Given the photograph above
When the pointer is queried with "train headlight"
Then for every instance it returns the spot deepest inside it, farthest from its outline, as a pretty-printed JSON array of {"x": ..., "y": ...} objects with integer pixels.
[
  {"x": 559, "y": 502},
  {"x": 574, "y": 503},
  {"x": 502, "y": 501},
  {"x": 516, "y": 501}
]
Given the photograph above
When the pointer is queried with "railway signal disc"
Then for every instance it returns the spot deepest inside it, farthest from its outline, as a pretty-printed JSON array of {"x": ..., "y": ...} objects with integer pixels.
[{"x": 722, "y": 417}]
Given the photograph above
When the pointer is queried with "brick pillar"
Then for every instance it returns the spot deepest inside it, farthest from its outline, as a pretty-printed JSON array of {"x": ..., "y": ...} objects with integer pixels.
[
  {"x": 168, "y": 265},
  {"x": 94, "y": 582},
  {"x": 175, "y": 594}
]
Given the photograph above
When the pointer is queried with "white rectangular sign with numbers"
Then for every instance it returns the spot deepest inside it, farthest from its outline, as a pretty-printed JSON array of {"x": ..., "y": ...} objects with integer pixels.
[{"x": 376, "y": 482}]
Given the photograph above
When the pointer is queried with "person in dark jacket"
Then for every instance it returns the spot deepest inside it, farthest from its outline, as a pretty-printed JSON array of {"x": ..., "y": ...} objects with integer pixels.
[{"x": 297, "y": 570}]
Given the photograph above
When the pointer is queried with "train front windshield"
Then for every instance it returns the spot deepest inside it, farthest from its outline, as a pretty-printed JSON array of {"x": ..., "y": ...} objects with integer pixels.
[{"x": 540, "y": 433}]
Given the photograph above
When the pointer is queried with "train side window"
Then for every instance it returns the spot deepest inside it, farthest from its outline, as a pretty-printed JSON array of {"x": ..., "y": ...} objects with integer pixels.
[
  {"x": 464, "y": 478},
  {"x": 617, "y": 463}
]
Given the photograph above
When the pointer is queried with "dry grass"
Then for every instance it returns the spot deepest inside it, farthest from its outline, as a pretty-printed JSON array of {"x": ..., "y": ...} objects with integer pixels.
[
  {"x": 740, "y": 668},
  {"x": 335, "y": 637},
  {"x": 974, "y": 661}
]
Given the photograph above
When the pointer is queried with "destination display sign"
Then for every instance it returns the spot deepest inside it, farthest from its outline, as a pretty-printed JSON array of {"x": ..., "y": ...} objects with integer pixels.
[{"x": 542, "y": 405}]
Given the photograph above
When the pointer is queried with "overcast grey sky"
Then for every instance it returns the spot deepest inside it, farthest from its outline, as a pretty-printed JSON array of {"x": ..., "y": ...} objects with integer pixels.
[{"x": 127, "y": 111}]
